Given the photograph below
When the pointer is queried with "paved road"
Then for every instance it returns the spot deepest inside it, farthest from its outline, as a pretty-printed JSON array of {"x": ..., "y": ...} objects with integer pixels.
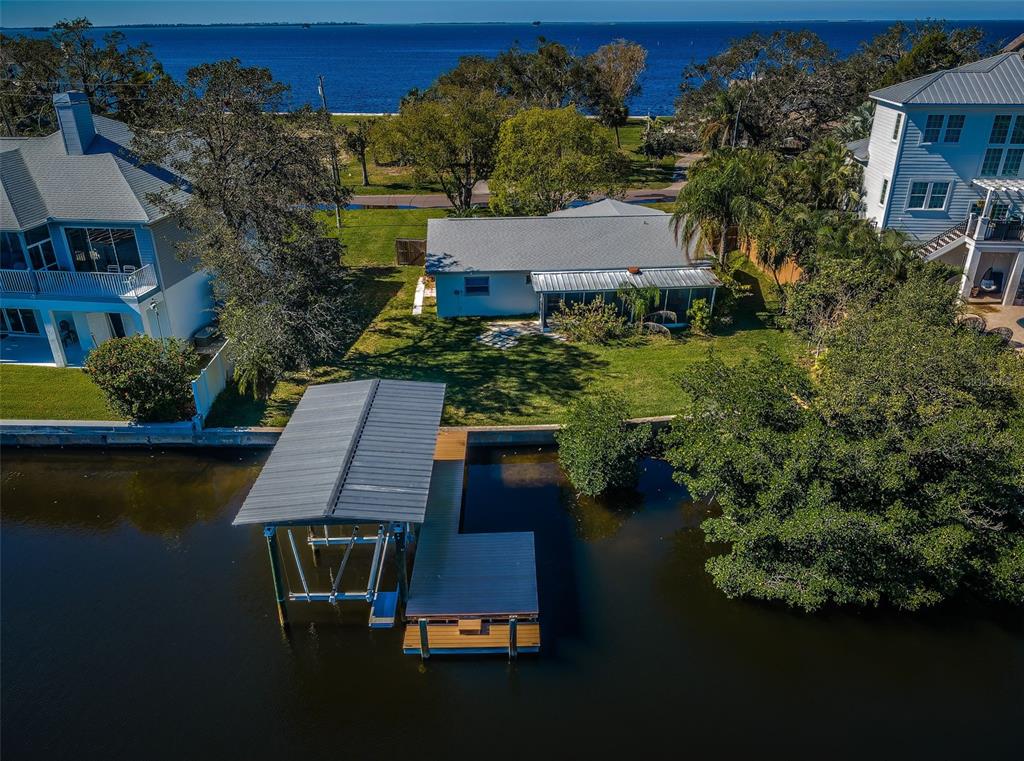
[{"x": 481, "y": 193}]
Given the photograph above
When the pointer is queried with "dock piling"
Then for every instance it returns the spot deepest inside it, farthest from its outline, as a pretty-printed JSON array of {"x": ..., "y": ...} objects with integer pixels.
[
  {"x": 270, "y": 532},
  {"x": 513, "y": 649},
  {"x": 424, "y": 644}
]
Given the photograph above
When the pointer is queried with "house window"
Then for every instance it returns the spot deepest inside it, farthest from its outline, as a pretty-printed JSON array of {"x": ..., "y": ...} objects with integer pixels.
[
  {"x": 918, "y": 195},
  {"x": 1011, "y": 167},
  {"x": 1018, "y": 130},
  {"x": 928, "y": 195},
  {"x": 954, "y": 126},
  {"x": 1000, "y": 129},
  {"x": 896, "y": 127},
  {"x": 99, "y": 249},
  {"x": 40, "y": 249},
  {"x": 12, "y": 256},
  {"x": 1000, "y": 211},
  {"x": 477, "y": 286},
  {"x": 19, "y": 321},
  {"x": 933, "y": 128},
  {"x": 937, "y": 198},
  {"x": 885, "y": 189},
  {"x": 990, "y": 166}
]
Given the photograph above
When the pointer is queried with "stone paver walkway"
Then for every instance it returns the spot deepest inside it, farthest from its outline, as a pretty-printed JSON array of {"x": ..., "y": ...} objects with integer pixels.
[{"x": 505, "y": 335}]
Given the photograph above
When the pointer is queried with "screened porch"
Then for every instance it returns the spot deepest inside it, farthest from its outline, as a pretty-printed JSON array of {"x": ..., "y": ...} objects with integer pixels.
[{"x": 678, "y": 289}]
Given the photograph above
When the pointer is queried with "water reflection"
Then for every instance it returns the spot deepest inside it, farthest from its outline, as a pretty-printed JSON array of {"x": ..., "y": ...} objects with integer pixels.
[
  {"x": 160, "y": 492},
  {"x": 138, "y": 623}
]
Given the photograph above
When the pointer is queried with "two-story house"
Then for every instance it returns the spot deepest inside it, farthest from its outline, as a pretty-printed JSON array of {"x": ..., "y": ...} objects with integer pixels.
[
  {"x": 945, "y": 164},
  {"x": 85, "y": 254}
]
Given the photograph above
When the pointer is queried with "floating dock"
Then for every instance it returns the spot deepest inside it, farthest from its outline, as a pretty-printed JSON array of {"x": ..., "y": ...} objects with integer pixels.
[{"x": 470, "y": 593}]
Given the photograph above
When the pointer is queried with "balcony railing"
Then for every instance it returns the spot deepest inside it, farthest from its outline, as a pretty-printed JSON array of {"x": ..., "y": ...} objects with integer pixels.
[{"x": 86, "y": 284}]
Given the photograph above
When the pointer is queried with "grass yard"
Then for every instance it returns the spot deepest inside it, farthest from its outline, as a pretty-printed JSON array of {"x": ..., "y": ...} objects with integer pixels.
[
  {"x": 530, "y": 383},
  {"x": 50, "y": 393}
]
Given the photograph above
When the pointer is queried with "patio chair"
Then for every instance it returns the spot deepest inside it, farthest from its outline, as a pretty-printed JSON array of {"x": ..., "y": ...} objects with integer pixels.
[
  {"x": 991, "y": 282},
  {"x": 128, "y": 269},
  {"x": 113, "y": 268}
]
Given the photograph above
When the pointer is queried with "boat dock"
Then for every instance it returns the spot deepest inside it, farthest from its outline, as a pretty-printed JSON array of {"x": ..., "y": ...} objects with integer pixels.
[
  {"x": 470, "y": 593},
  {"x": 365, "y": 463}
]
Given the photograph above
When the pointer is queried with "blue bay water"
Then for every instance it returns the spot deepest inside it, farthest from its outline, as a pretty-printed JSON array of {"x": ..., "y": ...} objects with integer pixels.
[{"x": 369, "y": 68}]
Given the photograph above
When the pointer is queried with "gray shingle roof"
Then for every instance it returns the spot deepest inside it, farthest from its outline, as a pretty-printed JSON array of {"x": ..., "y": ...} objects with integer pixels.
[
  {"x": 610, "y": 280},
  {"x": 353, "y": 451},
  {"x": 608, "y": 207},
  {"x": 532, "y": 244},
  {"x": 998, "y": 80},
  {"x": 40, "y": 181}
]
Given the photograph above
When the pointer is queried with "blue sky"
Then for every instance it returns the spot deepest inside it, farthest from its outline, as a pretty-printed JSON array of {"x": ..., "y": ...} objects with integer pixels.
[{"x": 17, "y": 13}]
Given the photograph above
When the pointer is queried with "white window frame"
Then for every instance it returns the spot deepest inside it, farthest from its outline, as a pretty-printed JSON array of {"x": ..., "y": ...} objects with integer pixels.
[
  {"x": 486, "y": 284},
  {"x": 938, "y": 135},
  {"x": 897, "y": 128},
  {"x": 960, "y": 129},
  {"x": 928, "y": 195}
]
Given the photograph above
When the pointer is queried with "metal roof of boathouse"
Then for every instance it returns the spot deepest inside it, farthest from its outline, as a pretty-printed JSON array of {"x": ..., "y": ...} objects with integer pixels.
[{"x": 361, "y": 450}]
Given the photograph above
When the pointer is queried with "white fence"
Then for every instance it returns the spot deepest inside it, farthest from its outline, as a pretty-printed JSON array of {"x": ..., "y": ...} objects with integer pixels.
[{"x": 211, "y": 381}]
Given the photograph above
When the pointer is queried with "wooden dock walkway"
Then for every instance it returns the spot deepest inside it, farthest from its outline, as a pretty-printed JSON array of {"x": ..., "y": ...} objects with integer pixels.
[{"x": 474, "y": 582}]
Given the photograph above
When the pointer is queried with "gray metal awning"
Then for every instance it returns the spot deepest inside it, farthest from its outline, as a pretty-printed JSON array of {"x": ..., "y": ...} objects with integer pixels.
[
  {"x": 612, "y": 280},
  {"x": 357, "y": 451}
]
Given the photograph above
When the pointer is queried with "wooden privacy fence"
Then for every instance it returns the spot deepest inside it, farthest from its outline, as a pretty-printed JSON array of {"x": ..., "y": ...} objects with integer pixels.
[{"x": 410, "y": 251}]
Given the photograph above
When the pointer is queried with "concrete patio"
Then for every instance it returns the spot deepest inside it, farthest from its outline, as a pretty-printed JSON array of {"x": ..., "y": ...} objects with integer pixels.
[
  {"x": 997, "y": 316},
  {"x": 35, "y": 350}
]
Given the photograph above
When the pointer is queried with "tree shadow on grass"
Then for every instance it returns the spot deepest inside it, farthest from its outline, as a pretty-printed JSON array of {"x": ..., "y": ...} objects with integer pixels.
[
  {"x": 374, "y": 287},
  {"x": 484, "y": 383}
]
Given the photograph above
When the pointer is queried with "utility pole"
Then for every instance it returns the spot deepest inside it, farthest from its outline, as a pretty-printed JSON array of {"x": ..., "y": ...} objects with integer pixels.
[{"x": 334, "y": 153}]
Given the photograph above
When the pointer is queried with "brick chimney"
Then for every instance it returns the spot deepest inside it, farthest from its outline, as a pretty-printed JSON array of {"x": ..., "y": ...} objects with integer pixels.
[{"x": 75, "y": 120}]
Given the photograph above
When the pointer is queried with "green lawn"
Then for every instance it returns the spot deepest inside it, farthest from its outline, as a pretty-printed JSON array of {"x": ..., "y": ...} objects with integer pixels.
[
  {"x": 50, "y": 393},
  {"x": 531, "y": 383}
]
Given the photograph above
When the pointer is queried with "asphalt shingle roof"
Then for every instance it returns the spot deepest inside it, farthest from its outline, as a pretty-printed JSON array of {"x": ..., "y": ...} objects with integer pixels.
[
  {"x": 998, "y": 80},
  {"x": 40, "y": 181},
  {"x": 534, "y": 244}
]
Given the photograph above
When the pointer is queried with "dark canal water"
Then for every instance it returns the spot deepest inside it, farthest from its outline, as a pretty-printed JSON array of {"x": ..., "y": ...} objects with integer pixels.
[{"x": 136, "y": 623}]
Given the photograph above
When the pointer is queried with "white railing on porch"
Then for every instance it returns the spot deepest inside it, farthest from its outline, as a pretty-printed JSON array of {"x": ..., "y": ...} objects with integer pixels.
[
  {"x": 16, "y": 281},
  {"x": 62, "y": 283}
]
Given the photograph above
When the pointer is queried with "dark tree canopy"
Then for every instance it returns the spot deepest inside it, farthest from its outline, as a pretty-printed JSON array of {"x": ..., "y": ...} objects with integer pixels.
[
  {"x": 785, "y": 90},
  {"x": 118, "y": 78},
  {"x": 254, "y": 171},
  {"x": 893, "y": 477}
]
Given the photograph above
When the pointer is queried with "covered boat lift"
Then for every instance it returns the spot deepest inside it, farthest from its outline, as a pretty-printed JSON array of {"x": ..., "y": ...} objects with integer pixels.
[
  {"x": 372, "y": 453},
  {"x": 352, "y": 454}
]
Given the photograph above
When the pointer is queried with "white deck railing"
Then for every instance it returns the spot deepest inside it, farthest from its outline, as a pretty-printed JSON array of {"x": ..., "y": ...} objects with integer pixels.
[{"x": 62, "y": 283}]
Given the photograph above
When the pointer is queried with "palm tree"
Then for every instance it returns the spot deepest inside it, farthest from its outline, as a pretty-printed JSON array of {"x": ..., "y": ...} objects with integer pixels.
[
  {"x": 823, "y": 177},
  {"x": 727, "y": 189},
  {"x": 718, "y": 122}
]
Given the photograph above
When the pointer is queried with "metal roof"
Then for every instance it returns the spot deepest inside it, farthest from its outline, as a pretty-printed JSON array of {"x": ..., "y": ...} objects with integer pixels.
[
  {"x": 859, "y": 149},
  {"x": 468, "y": 574},
  {"x": 612, "y": 280},
  {"x": 609, "y": 207},
  {"x": 531, "y": 244},
  {"x": 40, "y": 181},
  {"x": 997, "y": 81},
  {"x": 352, "y": 451}
]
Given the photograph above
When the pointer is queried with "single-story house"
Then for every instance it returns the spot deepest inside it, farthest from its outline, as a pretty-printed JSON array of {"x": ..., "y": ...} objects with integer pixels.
[{"x": 501, "y": 266}]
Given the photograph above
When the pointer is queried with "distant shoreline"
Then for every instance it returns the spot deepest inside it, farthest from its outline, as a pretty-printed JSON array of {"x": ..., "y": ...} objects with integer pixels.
[{"x": 311, "y": 24}]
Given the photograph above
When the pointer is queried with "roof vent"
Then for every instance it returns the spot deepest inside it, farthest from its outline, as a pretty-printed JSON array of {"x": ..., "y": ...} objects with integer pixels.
[
  {"x": 633, "y": 270},
  {"x": 75, "y": 120}
]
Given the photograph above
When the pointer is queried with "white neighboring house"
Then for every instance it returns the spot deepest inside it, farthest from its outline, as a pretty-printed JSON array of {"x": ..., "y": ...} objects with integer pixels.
[
  {"x": 85, "y": 255},
  {"x": 504, "y": 266},
  {"x": 945, "y": 164}
]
